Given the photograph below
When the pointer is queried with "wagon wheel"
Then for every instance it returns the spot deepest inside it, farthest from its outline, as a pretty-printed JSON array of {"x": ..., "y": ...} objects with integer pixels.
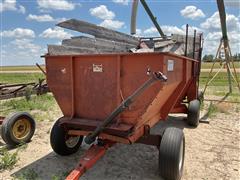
[
  {"x": 62, "y": 143},
  {"x": 18, "y": 128},
  {"x": 193, "y": 113},
  {"x": 171, "y": 154}
]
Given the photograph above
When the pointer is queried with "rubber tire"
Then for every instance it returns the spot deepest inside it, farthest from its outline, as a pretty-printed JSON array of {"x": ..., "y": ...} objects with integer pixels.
[
  {"x": 58, "y": 138},
  {"x": 193, "y": 113},
  {"x": 169, "y": 154},
  {"x": 6, "y": 129}
]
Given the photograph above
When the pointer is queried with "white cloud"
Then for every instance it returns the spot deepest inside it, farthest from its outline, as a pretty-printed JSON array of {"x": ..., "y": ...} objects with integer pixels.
[
  {"x": 40, "y": 18},
  {"x": 22, "y": 9},
  {"x": 56, "y": 5},
  {"x": 191, "y": 29},
  {"x": 213, "y": 23},
  {"x": 138, "y": 31},
  {"x": 212, "y": 40},
  {"x": 28, "y": 45},
  {"x": 151, "y": 30},
  {"x": 213, "y": 33},
  {"x": 168, "y": 30},
  {"x": 11, "y": 5},
  {"x": 8, "y": 5},
  {"x": 232, "y": 3},
  {"x": 55, "y": 33},
  {"x": 43, "y": 18},
  {"x": 112, "y": 24},
  {"x": 21, "y": 52},
  {"x": 102, "y": 12},
  {"x": 192, "y": 12},
  {"x": 123, "y": 2},
  {"x": 18, "y": 33}
]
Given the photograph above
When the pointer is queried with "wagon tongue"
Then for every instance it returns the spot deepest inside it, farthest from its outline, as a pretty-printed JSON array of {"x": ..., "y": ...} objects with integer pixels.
[{"x": 155, "y": 76}]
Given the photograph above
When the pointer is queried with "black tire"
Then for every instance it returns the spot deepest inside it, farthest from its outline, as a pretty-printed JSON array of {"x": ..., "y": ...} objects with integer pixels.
[
  {"x": 18, "y": 128},
  {"x": 193, "y": 113},
  {"x": 59, "y": 140},
  {"x": 171, "y": 154}
]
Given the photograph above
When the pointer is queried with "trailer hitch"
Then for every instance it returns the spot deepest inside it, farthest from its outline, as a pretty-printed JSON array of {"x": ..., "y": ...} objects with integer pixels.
[{"x": 155, "y": 76}]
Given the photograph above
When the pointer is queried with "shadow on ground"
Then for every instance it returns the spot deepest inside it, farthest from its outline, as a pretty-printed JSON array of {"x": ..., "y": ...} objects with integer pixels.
[{"x": 120, "y": 162}]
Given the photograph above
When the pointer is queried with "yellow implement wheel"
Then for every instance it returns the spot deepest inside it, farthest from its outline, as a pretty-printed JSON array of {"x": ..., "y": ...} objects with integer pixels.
[
  {"x": 18, "y": 128},
  {"x": 21, "y": 128}
]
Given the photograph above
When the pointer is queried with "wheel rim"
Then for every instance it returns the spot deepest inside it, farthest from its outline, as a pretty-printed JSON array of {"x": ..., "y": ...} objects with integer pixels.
[
  {"x": 72, "y": 141},
  {"x": 21, "y": 128},
  {"x": 181, "y": 157}
]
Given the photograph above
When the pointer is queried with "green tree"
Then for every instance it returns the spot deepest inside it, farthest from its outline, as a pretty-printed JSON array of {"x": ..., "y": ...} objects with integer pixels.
[{"x": 208, "y": 58}]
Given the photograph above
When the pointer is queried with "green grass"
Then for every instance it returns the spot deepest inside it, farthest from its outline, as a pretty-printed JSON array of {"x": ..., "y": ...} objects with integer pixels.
[
  {"x": 43, "y": 102},
  {"x": 220, "y": 80},
  {"x": 7, "y": 159},
  {"x": 208, "y": 65},
  {"x": 20, "y": 68},
  {"x": 39, "y": 107},
  {"x": 12, "y": 78}
]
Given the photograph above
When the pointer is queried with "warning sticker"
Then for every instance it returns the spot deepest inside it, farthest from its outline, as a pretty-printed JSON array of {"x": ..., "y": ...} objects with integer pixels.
[
  {"x": 170, "y": 65},
  {"x": 97, "y": 68}
]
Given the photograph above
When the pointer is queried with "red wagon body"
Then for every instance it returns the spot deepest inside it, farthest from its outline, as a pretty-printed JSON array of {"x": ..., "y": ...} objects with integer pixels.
[{"x": 89, "y": 87}]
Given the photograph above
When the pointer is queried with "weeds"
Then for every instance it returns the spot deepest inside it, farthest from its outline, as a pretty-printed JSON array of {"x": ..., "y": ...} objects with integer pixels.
[
  {"x": 7, "y": 159},
  {"x": 36, "y": 103},
  {"x": 62, "y": 175},
  {"x": 55, "y": 177},
  {"x": 22, "y": 146},
  {"x": 212, "y": 110},
  {"x": 29, "y": 174}
]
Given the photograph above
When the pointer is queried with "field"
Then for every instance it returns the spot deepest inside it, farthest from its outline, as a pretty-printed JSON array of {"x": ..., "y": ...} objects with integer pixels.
[
  {"x": 13, "y": 78},
  {"x": 212, "y": 150},
  {"x": 208, "y": 65},
  {"x": 20, "y": 68}
]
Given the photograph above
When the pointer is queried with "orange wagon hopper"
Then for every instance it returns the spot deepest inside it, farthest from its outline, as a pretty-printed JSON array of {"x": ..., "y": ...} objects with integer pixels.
[{"x": 89, "y": 87}]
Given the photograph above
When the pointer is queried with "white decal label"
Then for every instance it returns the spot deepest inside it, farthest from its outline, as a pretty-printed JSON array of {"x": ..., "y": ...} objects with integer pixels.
[
  {"x": 97, "y": 68},
  {"x": 170, "y": 65}
]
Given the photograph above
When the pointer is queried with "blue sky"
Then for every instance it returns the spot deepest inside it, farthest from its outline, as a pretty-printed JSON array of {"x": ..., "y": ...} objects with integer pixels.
[{"x": 27, "y": 26}]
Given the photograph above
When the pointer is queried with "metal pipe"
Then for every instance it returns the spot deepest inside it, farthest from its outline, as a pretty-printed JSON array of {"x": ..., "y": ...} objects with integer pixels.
[
  {"x": 199, "y": 57},
  {"x": 153, "y": 18},
  {"x": 41, "y": 69},
  {"x": 156, "y": 76},
  {"x": 186, "y": 41},
  {"x": 134, "y": 16},
  {"x": 194, "y": 41}
]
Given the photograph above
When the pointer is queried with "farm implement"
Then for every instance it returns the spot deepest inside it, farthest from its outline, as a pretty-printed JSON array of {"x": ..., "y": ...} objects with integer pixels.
[
  {"x": 114, "y": 87},
  {"x": 19, "y": 127}
]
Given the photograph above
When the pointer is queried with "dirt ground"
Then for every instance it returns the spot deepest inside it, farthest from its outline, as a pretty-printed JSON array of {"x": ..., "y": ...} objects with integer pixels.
[{"x": 212, "y": 152}]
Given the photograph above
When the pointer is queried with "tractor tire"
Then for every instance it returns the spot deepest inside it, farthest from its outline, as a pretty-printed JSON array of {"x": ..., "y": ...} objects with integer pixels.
[
  {"x": 171, "y": 154},
  {"x": 193, "y": 113},
  {"x": 18, "y": 128},
  {"x": 62, "y": 143}
]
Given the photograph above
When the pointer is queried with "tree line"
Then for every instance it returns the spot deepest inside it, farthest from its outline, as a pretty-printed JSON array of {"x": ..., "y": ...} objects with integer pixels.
[{"x": 210, "y": 57}]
